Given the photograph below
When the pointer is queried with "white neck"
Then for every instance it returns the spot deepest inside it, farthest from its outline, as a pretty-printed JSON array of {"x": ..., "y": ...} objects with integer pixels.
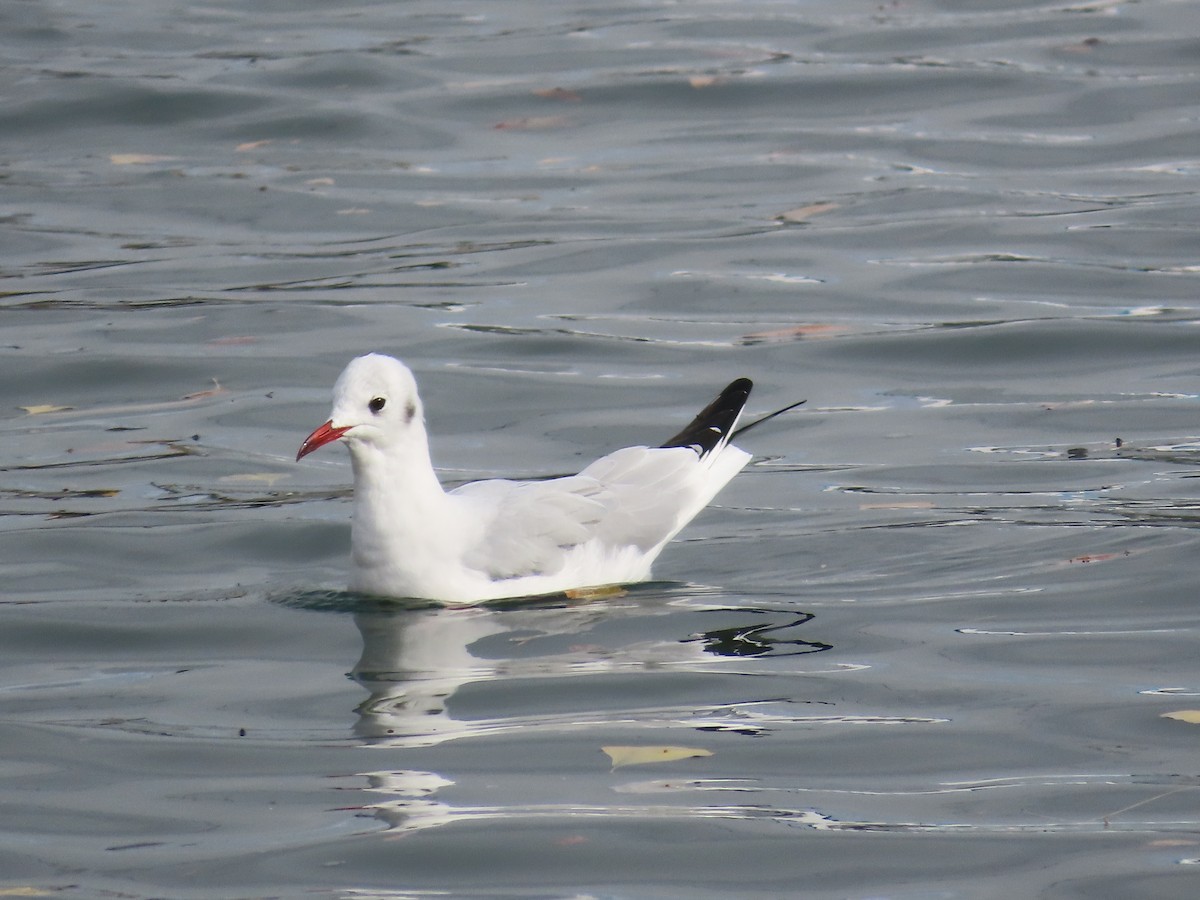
[{"x": 406, "y": 529}]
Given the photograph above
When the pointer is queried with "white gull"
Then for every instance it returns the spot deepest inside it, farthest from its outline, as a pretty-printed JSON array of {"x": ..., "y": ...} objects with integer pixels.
[{"x": 498, "y": 538}]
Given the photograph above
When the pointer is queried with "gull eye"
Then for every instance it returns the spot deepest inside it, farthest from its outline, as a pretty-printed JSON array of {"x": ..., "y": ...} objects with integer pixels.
[{"x": 376, "y": 405}]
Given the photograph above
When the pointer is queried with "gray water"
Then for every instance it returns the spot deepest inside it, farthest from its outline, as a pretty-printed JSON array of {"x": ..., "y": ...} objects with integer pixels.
[{"x": 927, "y": 637}]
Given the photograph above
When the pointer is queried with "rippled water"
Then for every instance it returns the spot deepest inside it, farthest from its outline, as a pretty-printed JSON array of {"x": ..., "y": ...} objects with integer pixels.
[{"x": 926, "y": 639}]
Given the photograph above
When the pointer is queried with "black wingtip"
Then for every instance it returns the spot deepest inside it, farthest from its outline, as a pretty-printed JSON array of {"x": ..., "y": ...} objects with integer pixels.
[{"x": 714, "y": 424}]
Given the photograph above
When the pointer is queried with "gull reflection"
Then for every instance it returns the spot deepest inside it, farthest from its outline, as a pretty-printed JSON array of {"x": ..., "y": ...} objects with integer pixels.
[
  {"x": 415, "y": 660},
  {"x": 412, "y": 662}
]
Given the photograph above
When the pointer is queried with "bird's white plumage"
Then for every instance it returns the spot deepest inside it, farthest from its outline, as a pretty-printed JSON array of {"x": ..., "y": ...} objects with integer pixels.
[{"x": 498, "y": 538}]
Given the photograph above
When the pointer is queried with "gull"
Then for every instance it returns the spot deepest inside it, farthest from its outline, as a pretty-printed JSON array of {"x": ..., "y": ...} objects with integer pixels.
[{"x": 495, "y": 539}]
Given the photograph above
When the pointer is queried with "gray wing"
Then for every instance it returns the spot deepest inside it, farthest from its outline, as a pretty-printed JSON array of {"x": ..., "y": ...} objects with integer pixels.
[{"x": 637, "y": 497}]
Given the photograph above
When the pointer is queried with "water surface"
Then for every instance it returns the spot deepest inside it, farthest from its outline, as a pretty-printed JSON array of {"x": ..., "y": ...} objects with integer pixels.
[{"x": 926, "y": 638}]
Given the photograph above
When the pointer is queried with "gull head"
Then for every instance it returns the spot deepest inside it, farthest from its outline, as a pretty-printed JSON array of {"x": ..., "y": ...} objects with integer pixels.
[{"x": 375, "y": 403}]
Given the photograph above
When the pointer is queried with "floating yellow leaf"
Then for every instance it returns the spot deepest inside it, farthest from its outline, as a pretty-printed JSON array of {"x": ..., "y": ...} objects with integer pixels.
[
  {"x": 804, "y": 213},
  {"x": 596, "y": 593},
  {"x": 23, "y": 891},
  {"x": 40, "y": 409},
  {"x": 1191, "y": 716},
  {"x": 252, "y": 145},
  {"x": 640, "y": 756},
  {"x": 702, "y": 81},
  {"x": 214, "y": 391},
  {"x": 136, "y": 159}
]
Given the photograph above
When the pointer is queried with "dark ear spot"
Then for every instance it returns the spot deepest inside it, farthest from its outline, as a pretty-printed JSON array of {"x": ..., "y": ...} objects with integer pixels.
[{"x": 409, "y": 411}]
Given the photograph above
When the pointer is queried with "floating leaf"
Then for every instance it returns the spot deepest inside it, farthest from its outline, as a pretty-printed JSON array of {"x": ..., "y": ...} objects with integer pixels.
[
  {"x": 136, "y": 159},
  {"x": 702, "y": 81},
  {"x": 1096, "y": 557},
  {"x": 40, "y": 409},
  {"x": 1087, "y": 45},
  {"x": 353, "y": 211},
  {"x": 804, "y": 213},
  {"x": 253, "y": 145},
  {"x": 640, "y": 756},
  {"x": 531, "y": 123},
  {"x": 795, "y": 333},
  {"x": 211, "y": 392},
  {"x": 558, "y": 93},
  {"x": 319, "y": 182},
  {"x": 596, "y": 593},
  {"x": 23, "y": 891},
  {"x": 1191, "y": 716}
]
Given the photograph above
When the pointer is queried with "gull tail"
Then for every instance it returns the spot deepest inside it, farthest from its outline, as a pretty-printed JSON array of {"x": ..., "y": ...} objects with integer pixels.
[{"x": 715, "y": 424}]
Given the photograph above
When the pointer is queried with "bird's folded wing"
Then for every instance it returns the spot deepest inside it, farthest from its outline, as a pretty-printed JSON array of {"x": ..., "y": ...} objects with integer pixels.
[{"x": 635, "y": 497}]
